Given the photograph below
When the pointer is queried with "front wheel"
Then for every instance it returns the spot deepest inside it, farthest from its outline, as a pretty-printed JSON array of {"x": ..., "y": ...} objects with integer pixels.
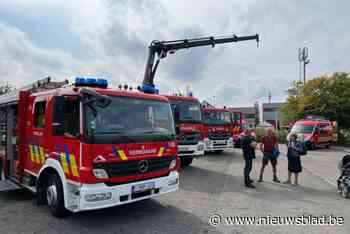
[{"x": 55, "y": 197}]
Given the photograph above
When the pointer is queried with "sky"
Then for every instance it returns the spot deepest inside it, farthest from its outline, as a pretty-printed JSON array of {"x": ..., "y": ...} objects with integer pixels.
[{"x": 109, "y": 39}]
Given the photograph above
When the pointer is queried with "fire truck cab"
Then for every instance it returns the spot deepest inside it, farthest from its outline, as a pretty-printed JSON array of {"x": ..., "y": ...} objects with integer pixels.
[
  {"x": 86, "y": 146},
  {"x": 188, "y": 122},
  {"x": 217, "y": 129}
]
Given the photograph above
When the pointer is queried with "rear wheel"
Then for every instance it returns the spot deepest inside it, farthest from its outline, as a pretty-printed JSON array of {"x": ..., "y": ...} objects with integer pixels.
[
  {"x": 186, "y": 161},
  {"x": 55, "y": 197}
]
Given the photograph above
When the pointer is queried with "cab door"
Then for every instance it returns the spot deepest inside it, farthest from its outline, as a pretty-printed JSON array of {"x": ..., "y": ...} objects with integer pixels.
[
  {"x": 65, "y": 134},
  {"x": 37, "y": 133}
]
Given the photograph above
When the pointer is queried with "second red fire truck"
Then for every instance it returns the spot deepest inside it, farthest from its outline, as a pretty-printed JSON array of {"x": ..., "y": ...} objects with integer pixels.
[
  {"x": 188, "y": 124},
  {"x": 217, "y": 129}
]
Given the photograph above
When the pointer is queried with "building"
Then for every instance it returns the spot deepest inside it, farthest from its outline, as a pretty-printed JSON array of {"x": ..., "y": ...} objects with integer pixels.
[
  {"x": 249, "y": 114},
  {"x": 271, "y": 113}
]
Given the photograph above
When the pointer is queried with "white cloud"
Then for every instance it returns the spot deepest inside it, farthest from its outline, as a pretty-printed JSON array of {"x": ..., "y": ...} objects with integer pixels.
[{"x": 110, "y": 38}]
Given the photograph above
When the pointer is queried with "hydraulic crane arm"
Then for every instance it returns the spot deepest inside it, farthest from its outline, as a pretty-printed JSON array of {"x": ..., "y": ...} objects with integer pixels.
[{"x": 163, "y": 48}]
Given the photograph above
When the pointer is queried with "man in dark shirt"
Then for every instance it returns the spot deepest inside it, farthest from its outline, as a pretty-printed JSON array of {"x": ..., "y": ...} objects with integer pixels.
[
  {"x": 268, "y": 144},
  {"x": 248, "y": 147}
]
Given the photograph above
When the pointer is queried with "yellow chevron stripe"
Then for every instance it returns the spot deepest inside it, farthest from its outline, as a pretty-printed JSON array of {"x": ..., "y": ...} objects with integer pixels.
[
  {"x": 42, "y": 155},
  {"x": 37, "y": 154},
  {"x": 64, "y": 163},
  {"x": 31, "y": 151},
  {"x": 161, "y": 151},
  {"x": 73, "y": 165},
  {"x": 122, "y": 155}
]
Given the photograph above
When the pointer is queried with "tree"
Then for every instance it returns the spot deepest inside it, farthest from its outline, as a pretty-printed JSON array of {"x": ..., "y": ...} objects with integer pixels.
[{"x": 327, "y": 96}]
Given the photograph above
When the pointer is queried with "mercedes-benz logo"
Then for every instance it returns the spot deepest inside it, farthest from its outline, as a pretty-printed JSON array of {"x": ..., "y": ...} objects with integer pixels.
[{"x": 143, "y": 166}]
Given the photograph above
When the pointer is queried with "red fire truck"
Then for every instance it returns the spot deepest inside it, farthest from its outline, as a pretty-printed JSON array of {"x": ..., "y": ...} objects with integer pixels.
[
  {"x": 217, "y": 129},
  {"x": 237, "y": 128},
  {"x": 186, "y": 109},
  {"x": 189, "y": 127},
  {"x": 85, "y": 146}
]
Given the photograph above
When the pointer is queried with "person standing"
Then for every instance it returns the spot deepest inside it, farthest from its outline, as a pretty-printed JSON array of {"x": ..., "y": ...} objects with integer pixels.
[
  {"x": 294, "y": 162},
  {"x": 268, "y": 145},
  {"x": 248, "y": 147}
]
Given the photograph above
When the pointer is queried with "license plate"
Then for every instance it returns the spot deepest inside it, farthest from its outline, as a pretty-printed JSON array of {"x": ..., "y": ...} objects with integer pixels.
[
  {"x": 220, "y": 142},
  {"x": 142, "y": 187}
]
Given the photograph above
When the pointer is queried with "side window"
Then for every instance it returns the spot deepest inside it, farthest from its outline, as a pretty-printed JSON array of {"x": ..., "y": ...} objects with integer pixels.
[
  {"x": 39, "y": 114},
  {"x": 66, "y": 119}
]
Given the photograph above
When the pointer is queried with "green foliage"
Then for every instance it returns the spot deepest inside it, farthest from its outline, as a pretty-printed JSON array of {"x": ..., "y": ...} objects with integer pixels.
[
  {"x": 327, "y": 96},
  {"x": 280, "y": 134}
]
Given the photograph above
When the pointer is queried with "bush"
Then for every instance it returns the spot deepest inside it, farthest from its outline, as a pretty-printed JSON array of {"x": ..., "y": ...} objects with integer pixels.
[{"x": 344, "y": 137}]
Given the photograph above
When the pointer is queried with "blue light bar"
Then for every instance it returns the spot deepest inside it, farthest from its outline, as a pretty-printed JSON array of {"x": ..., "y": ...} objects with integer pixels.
[
  {"x": 102, "y": 83},
  {"x": 91, "y": 82},
  {"x": 149, "y": 89}
]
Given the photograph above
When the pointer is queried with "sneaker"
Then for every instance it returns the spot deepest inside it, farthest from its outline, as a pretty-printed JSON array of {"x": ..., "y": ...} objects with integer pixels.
[
  {"x": 250, "y": 186},
  {"x": 275, "y": 179}
]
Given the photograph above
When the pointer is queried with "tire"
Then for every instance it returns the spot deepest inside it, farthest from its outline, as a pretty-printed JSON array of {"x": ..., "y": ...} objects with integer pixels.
[
  {"x": 186, "y": 161},
  {"x": 218, "y": 151},
  {"x": 55, "y": 197}
]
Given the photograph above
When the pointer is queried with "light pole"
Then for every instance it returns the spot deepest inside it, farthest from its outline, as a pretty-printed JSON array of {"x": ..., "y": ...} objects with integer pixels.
[{"x": 303, "y": 57}]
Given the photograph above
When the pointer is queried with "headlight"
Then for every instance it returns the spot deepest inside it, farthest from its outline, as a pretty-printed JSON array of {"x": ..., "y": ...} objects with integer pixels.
[
  {"x": 200, "y": 147},
  {"x": 98, "y": 197},
  {"x": 172, "y": 164},
  {"x": 100, "y": 173}
]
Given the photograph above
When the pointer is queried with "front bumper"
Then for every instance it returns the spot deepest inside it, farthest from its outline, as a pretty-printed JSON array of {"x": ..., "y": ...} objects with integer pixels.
[
  {"x": 191, "y": 150},
  {"x": 211, "y": 145},
  {"x": 122, "y": 194}
]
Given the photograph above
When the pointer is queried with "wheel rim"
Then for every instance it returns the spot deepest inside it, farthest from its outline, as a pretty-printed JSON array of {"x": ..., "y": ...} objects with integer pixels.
[{"x": 51, "y": 195}]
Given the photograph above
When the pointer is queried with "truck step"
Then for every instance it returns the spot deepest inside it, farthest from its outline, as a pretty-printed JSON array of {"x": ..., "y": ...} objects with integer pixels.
[{"x": 7, "y": 185}]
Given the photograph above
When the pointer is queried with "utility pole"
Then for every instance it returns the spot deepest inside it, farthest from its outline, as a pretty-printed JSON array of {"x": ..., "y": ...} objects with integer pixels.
[{"x": 303, "y": 57}]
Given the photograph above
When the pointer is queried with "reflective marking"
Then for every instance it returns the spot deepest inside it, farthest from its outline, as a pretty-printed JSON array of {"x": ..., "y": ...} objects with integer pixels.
[
  {"x": 122, "y": 155},
  {"x": 37, "y": 156},
  {"x": 31, "y": 153},
  {"x": 64, "y": 163},
  {"x": 161, "y": 151},
  {"x": 42, "y": 155},
  {"x": 73, "y": 165}
]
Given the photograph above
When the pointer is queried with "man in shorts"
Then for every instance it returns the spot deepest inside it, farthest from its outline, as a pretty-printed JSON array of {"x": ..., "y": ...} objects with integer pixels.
[{"x": 267, "y": 145}]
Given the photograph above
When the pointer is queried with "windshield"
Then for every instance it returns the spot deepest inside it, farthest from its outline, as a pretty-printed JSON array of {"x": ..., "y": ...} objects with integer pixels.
[
  {"x": 300, "y": 128},
  {"x": 189, "y": 112},
  {"x": 130, "y": 120},
  {"x": 217, "y": 118}
]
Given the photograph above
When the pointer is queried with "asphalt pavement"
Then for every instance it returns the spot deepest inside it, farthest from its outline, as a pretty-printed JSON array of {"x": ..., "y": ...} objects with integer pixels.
[{"x": 212, "y": 186}]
